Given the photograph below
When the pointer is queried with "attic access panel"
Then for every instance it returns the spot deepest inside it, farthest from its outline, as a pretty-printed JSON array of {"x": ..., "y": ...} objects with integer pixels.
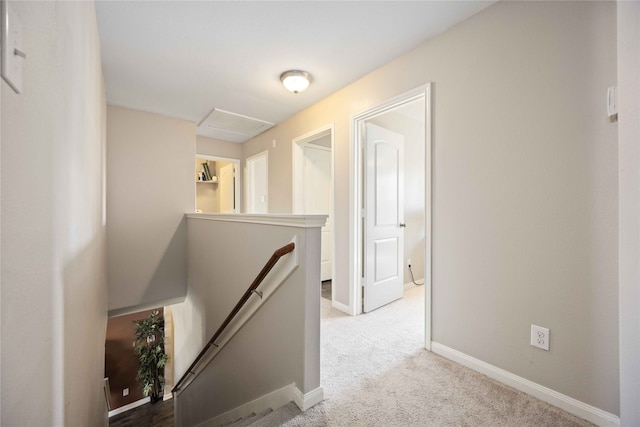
[{"x": 228, "y": 126}]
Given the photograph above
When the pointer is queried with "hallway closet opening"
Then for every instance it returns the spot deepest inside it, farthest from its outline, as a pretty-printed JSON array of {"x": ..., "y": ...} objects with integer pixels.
[{"x": 217, "y": 184}]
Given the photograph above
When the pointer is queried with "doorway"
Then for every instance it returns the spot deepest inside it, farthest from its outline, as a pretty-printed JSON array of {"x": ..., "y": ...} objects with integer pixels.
[
  {"x": 217, "y": 184},
  {"x": 257, "y": 168},
  {"x": 313, "y": 188},
  {"x": 377, "y": 168}
]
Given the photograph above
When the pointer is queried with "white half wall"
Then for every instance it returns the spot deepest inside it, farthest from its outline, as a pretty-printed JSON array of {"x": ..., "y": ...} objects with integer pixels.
[{"x": 280, "y": 344}]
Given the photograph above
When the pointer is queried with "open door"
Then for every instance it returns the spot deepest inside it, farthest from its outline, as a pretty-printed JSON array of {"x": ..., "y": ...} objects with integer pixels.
[{"x": 384, "y": 217}]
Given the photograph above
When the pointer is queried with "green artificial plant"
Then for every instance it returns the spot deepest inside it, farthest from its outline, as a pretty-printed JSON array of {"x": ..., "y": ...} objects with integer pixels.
[{"x": 149, "y": 347}]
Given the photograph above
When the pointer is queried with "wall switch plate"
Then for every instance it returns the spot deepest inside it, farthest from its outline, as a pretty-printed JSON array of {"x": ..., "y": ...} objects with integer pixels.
[
  {"x": 125, "y": 392},
  {"x": 13, "y": 55},
  {"x": 540, "y": 337}
]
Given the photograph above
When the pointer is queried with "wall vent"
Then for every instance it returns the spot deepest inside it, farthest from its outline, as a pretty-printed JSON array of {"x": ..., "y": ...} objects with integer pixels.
[{"x": 227, "y": 126}]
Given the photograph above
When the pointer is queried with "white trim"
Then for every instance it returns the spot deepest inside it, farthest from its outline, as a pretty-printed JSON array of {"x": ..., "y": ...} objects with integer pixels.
[
  {"x": 296, "y": 157},
  {"x": 273, "y": 400},
  {"x": 569, "y": 404},
  {"x": 428, "y": 215},
  {"x": 308, "y": 400},
  {"x": 342, "y": 307},
  {"x": 142, "y": 307},
  {"x": 217, "y": 158},
  {"x": 411, "y": 285},
  {"x": 297, "y": 154},
  {"x": 298, "y": 221},
  {"x": 129, "y": 407},
  {"x": 355, "y": 180}
]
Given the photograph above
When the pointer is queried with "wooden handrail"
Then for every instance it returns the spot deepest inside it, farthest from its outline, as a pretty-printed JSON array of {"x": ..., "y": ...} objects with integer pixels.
[{"x": 245, "y": 297}]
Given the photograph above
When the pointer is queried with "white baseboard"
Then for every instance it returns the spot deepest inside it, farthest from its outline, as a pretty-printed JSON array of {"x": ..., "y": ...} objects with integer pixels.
[
  {"x": 273, "y": 400},
  {"x": 346, "y": 309},
  {"x": 342, "y": 307},
  {"x": 130, "y": 406},
  {"x": 569, "y": 404},
  {"x": 411, "y": 285},
  {"x": 306, "y": 401}
]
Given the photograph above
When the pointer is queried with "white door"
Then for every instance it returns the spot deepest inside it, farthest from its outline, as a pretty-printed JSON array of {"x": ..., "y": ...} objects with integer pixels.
[
  {"x": 318, "y": 197},
  {"x": 226, "y": 185},
  {"x": 384, "y": 216},
  {"x": 257, "y": 183}
]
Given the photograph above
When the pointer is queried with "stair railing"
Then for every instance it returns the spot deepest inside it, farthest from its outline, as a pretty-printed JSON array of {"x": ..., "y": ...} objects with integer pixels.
[{"x": 279, "y": 253}]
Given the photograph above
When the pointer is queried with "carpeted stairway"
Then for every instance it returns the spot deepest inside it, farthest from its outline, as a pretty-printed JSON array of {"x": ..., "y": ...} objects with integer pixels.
[{"x": 375, "y": 372}]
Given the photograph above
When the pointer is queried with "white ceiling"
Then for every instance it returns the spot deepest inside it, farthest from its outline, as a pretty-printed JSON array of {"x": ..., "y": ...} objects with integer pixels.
[{"x": 184, "y": 58}]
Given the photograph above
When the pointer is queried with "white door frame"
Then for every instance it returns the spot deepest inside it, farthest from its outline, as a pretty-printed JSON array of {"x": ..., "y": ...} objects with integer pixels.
[
  {"x": 248, "y": 205},
  {"x": 297, "y": 157},
  {"x": 236, "y": 163},
  {"x": 357, "y": 209}
]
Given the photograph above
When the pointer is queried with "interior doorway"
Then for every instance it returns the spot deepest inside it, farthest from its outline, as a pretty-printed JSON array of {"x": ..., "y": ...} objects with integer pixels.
[
  {"x": 257, "y": 170},
  {"x": 378, "y": 172},
  {"x": 313, "y": 189},
  {"x": 217, "y": 184}
]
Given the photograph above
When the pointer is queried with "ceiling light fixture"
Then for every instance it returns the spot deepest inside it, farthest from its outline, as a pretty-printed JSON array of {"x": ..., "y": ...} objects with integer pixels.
[{"x": 295, "y": 80}]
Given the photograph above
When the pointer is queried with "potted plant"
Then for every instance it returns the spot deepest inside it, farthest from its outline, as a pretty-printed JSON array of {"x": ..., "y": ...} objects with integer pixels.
[{"x": 149, "y": 347}]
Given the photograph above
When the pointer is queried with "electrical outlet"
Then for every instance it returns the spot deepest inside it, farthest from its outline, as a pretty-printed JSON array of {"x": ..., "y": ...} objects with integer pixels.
[
  {"x": 540, "y": 337},
  {"x": 409, "y": 263},
  {"x": 125, "y": 392}
]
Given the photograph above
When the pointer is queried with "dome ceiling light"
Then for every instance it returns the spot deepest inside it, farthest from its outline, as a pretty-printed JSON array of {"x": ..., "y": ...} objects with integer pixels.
[{"x": 295, "y": 80}]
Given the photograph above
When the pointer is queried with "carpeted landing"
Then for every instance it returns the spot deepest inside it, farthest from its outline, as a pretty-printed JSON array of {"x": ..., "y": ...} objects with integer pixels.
[{"x": 375, "y": 372}]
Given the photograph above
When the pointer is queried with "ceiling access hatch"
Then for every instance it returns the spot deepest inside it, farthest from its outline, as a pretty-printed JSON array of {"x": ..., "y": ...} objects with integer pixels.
[{"x": 227, "y": 126}]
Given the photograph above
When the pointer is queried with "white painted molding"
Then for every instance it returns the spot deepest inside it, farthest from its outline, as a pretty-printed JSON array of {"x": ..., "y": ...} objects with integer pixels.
[
  {"x": 342, "y": 307},
  {"x": 298, "y": 221},
  {"x": 273, "y": 400},
  {"x": 308, "y": 400},
  {"x": 569, "y": 404},
  {"x": 129, "y": 407},
  {"x": 355, "y": 185},
  {"x": 411, "y": 285},
  {"x": 147, "y": 306}
]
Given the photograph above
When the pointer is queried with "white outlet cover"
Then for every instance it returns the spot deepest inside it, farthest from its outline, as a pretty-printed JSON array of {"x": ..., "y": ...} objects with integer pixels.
[
  {"x": 11, "y": 40},
  {"x": 125, "y": 392},
  {"x": 540, "y": 337}
]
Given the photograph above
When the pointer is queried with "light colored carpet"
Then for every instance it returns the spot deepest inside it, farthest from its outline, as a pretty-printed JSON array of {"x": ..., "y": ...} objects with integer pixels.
[{"x": 375, "y": 372}]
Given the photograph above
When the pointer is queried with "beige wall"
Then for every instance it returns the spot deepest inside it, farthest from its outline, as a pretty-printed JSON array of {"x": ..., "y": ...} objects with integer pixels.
[
  {"x": 150, "y": 185},
  {"x": 53, "y": 297},
  {"x": 629, "y": 229},
  {"x": 218, "y": 148},
  {"x": 525, "y": 187}
]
